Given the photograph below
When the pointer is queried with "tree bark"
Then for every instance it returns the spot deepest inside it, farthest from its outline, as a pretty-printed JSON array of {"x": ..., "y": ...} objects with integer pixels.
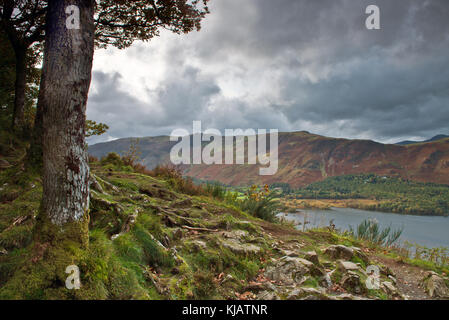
[
  {"x": 20, "y": 87},
  {"x": 66, "y": 71}
]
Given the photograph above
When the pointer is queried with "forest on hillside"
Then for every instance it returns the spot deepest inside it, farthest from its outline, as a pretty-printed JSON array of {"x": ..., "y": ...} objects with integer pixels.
[{"x": 392, "y": 194}]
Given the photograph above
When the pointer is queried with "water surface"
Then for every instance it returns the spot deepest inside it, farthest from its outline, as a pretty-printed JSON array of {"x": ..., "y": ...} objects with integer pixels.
[{"x": 429, "y": 231}]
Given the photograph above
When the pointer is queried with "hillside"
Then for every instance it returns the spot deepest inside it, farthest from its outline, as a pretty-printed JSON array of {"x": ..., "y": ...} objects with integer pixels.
[
  {"x": 149, "y": 240},
  {"x": 305, "y": 158},
  {"x": 435, "y": 138}
]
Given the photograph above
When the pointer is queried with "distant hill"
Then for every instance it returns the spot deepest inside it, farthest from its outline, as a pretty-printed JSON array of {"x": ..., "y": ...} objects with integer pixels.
[
  {"x": 436, "y": 138},
  {"x": 305, "y": 158}
]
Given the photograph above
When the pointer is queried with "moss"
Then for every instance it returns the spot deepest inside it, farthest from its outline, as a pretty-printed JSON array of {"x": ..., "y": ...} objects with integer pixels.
[
  {"x": 151, "y": 223},
  {"x": 17, "y": 237},
  {"x": 53, "y": 249},
  {"x": 357, "y": 259},
  {"x": 154, "y": 253},
  {"x": 377, "y": 294},
  {"x": 311, "y": 282},
  {"x": 183, "y": 287},
  {"x": 9, "y": 263},
  {"x": 228, "y": 221},
  {"x": 128, "y": 250},
  {"x": 205, "y": 287},
  {"x": 123, "y": 184}
]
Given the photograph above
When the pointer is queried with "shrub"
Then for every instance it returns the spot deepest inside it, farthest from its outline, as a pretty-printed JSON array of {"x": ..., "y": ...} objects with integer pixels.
[
  {"x": 369, "y": 230},
  {"x": 112, "y": 158},
  {"x": 173, "y": 175},
  {"x": 260, "y": 203},
  {"x": 132, "y": 156},
  {"x": 216, "y": 190}
]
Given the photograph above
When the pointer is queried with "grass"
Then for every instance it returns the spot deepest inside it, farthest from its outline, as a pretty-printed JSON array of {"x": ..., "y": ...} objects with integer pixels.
[{"x": 370, "y": 231}]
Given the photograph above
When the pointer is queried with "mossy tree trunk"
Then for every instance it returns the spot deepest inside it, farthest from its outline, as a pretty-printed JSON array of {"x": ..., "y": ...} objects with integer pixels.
[{"x": 66, "y": 79}]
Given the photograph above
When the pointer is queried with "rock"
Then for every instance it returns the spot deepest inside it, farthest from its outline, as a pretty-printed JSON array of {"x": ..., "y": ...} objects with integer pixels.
[
  {"x": 348, "y": 296},
  {"x": 326, "y": 281},
  {"x": 339, "y": 252},
  {"x": 351, "y": 282},
  {"x": 255, "y": 287},
  {"x": 228, "y": 278},
  {"x": 345, "y": 296},
  {"x": 266, "y": 295},
  {"x": 186, "y": 203},
  {"x": 312, "y": 257},
  {"x": 169, "y": 221},
  {"x": 288, "y": 253},
  {"x": 240, "y": 248},
  {"x": 305, "y": 262},
  {"x": 155, "y": 191},
  {"x": 199, "y": 245},
  {"x": 269, "y": 286},
  {"x": 314, "y": 291},
  {"x": 93, "y": 183},
  {"x": 4, "y": 164},
  {"x": 389, "y": 288},
  {"x": 346, "y": 266},
  {"x": 236, "y": 234},
  {"x": 393, "y": 279},
  {"x": 115, "y": 236},
  {"x": 166, "y": 241},
  {"x": 106, "y": 204},
  {"x": 109, "y": 186},
  {"x": 178, "y": 259},
  {"x": 307, "y": 294},
  {"x": 360, "y": 254},
  {"x": 289, "y": 270},
  {"x": 178, "y": 234},
  {"x": 435, "y": 285},
  {"x": 386, "y": 271},
  {"x": 295, "y": 294}
]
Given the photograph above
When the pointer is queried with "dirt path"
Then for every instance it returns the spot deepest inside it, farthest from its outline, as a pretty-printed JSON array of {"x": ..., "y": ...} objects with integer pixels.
[{"x": 408, "y": 278}]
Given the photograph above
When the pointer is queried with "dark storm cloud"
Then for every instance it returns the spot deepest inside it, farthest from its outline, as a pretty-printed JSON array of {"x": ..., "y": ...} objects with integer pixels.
[{"x": 297, "y": 65}]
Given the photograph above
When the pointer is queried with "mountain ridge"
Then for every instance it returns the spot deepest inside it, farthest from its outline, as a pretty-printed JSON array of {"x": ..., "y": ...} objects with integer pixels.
[
  {"x": 434, "y": 138},
  {"x": 305, "y": 158}
]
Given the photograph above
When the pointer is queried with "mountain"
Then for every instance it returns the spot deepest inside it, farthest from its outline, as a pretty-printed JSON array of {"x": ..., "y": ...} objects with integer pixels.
[
  {"x": 436, "y": 138},
  {"x": 305, "y": 158}
]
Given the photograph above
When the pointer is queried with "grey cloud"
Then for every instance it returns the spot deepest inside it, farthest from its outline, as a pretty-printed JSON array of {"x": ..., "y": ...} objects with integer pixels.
[{"x": 299, "y": 65}]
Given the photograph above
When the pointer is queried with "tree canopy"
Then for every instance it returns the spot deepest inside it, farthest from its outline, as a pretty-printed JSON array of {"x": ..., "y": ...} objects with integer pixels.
[{"x": 117, "y": 22}]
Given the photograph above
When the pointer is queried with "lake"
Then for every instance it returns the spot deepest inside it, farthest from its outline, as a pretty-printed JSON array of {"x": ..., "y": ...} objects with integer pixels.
[{"x": 429, "y": 231}]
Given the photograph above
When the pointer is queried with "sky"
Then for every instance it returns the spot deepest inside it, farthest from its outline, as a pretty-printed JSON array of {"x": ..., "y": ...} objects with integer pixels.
[{"x": 290, "y": 65}]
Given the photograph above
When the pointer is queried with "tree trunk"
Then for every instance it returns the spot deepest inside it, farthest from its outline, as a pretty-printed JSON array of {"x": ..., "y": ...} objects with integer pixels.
[
  {"x": 20, "y": 87},
  {"x": 66, "y": 71}
]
